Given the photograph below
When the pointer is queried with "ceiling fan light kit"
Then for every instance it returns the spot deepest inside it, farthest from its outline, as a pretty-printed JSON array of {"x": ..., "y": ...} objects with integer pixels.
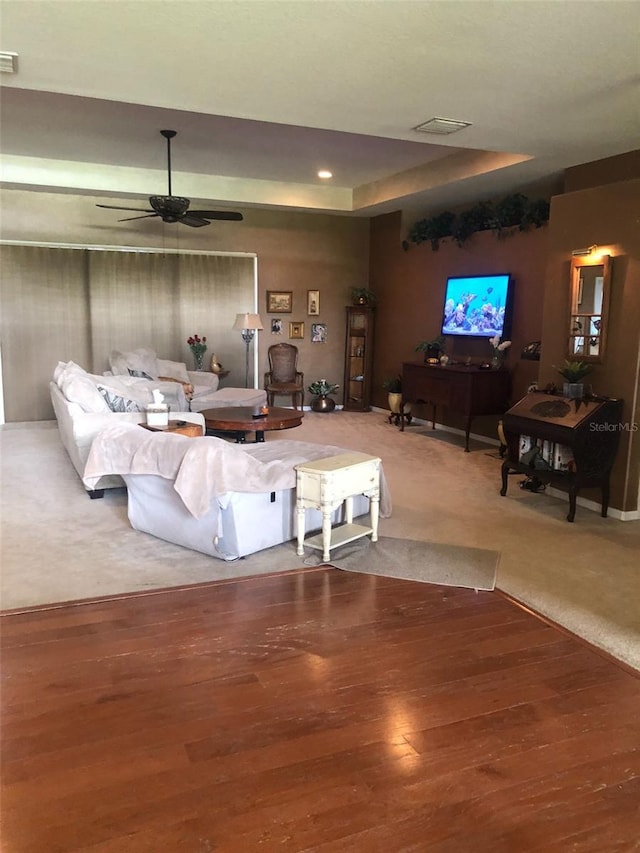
[{"x": 173, "y": 208}]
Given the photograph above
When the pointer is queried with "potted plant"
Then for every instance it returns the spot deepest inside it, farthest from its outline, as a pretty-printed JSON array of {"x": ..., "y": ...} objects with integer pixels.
[
  {"x": 432, "y": 349},
  {"x": 363, "y": 296},
  {"x": 321, "y": 389},
  {"x": 393, "y": 387},
  {"x": 573, "y": 373}
]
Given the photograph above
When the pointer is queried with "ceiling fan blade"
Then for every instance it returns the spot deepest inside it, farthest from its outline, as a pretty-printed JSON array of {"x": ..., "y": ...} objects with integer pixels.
[
  {"x": 113, "y": 207},
  {"x": 193, "y": 221},
  {"x": 131, "y": 218},
  {"x": 229, "y": 215}
]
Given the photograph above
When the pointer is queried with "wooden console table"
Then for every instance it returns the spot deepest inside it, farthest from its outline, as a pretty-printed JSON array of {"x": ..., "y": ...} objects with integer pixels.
[{"x": 469, "y": 391}]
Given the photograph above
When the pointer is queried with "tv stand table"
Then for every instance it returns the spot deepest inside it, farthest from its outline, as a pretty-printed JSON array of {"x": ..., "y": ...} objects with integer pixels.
[{"x": 467, "y": 390}]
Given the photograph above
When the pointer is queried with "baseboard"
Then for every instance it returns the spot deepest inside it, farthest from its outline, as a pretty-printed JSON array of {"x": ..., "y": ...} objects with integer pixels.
[{"x": 594, "y": 506}]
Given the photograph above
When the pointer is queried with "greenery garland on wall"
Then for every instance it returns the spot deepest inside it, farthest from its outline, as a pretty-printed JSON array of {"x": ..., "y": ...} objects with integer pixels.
[{"x": 513, "y": 211}]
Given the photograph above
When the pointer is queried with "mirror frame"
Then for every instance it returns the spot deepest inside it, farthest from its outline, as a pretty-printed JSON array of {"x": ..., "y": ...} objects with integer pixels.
[{"x": 577, "y": 265}]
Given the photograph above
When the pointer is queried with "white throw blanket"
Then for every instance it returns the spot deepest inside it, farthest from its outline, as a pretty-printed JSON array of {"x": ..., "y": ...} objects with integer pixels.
[{"x": 206, "y": 468}]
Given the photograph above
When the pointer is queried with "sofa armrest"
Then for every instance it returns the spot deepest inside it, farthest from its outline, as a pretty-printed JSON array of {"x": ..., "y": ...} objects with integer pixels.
[{"x": 203, "y": 377}]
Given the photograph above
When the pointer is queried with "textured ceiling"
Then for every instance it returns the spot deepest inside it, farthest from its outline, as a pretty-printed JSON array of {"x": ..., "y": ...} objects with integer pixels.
[{"x": 263, "y": 94}]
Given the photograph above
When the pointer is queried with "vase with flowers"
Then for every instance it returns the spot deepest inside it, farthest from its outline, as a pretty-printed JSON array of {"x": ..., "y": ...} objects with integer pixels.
[
  {"x": 198, "y": 347},
  {"x": 499, "y": 351}
]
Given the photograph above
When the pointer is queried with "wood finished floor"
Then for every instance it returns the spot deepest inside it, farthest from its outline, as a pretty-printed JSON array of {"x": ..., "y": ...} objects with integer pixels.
[{"x": 316, "y": 711}]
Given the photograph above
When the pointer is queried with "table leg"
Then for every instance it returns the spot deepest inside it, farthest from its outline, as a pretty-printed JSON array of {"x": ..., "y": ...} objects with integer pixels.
[
  {"x": 374, "y": 508},
  {"x": 326, "y": 532},
  {"x": 259, "y": 435},
  {"x": 240, "y": 438},
  {"x": 349, "y": 509},
  {"x": 300, "y": 512}
]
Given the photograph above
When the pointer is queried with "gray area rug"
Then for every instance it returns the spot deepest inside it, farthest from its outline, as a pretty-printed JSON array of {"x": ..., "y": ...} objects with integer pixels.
[{"x": 411, "y": 560}]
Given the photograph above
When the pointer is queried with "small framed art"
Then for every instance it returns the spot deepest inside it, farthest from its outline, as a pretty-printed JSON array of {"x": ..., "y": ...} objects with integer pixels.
[
  {"x": 318, "y": 333},
  {"x": 313, "y": 303},
  {"x": 276, "y": 326},
  {"x": 296, "y": 330},
  {"x": 279, "y": 301}
]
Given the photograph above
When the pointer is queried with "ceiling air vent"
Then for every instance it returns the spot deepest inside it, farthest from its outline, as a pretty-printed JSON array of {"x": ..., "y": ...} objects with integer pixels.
[
  {"x": 442, "y": 126},
  {"x": 8, "y": 62}
]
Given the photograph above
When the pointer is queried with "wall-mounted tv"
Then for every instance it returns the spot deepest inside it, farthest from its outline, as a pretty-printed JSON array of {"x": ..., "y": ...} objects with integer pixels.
[{"x": 478, "y": 306}]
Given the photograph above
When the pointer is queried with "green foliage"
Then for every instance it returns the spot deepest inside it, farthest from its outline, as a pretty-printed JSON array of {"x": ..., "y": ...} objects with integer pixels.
[
  {"x": 363, "y": 296},
  {"x": 321, "y": 388},
  {"x": 434, "y": 345},
  {"x": 574, "y": 371},
  {"x": 393, "y": 385},
  {"x": 433, "y": 229},
  {"x": 513, "y": 211}
]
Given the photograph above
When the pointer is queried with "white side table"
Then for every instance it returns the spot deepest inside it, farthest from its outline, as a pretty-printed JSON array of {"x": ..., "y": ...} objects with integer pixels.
[{"x": 324, "y": 485}]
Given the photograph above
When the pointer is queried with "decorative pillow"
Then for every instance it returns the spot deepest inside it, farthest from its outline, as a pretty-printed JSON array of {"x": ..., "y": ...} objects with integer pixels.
[
  {"x": 174, "y": 369},
  {"x": 118, "y": 363},
  {"x": 141, "y": 359},
  {"x": 117, "y": 403},
  {"x": 140, "y": 374},
  {"x": 81, "y": 390}
]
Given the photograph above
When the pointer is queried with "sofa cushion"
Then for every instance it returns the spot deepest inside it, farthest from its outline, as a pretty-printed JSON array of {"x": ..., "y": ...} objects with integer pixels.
[
  {"x": 142, "y": 359},
  {"x": 139, "y": 374},
  {"x": 81, "y": 389},
  {"x": 173, "y": 369}
]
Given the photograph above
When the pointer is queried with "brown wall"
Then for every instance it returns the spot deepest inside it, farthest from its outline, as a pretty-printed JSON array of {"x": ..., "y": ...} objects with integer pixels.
[
  {"x": 611, "y": 170},
  {"x": 607, "y": 216},
  {"x": 410, "y": 286}
]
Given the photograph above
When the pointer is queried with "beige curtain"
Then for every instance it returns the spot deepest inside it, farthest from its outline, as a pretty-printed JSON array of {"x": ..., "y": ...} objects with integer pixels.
[
  {"x": 60, "y": 304},
  {"x": 134, "y": 303},
  {"x": 45, "y": 319}
]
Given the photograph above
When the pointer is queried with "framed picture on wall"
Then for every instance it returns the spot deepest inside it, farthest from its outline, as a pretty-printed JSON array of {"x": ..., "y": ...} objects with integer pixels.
[
  {"x": 296, "y": 330},
  {"x": 318, "y": 333},
  {"x": 313, "y": 302},
  {"x": 279, "y": 301},
  {"x": 276, "y": 326}
]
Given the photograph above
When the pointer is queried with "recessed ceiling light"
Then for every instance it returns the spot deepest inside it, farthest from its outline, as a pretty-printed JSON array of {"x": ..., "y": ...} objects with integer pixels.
[
  {"x": 325, "y": 173},
  {"x": 442, "y": 125}
]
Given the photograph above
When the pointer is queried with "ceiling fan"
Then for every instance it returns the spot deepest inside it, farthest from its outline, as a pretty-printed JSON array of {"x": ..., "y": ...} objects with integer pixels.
[{"x": 174, "y": 208}]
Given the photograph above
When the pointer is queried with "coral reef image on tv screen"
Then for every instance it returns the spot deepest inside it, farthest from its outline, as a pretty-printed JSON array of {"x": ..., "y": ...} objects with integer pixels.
[{"x": 476, "y": 305}]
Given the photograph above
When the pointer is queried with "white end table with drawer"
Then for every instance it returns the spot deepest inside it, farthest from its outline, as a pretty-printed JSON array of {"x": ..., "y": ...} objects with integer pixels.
[{"x": 325, "y": 484}]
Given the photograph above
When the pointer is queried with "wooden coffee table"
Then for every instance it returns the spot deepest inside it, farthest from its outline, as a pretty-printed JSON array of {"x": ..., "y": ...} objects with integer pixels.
[{"x": 240, "y": 420}]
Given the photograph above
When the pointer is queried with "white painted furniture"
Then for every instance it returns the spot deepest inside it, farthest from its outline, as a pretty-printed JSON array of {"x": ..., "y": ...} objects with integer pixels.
[{"x": 324, "y": 485}]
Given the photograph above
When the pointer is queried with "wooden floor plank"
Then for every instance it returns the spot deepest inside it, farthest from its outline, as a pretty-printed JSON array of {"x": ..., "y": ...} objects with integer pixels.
[{"x": 315, "y": 711}]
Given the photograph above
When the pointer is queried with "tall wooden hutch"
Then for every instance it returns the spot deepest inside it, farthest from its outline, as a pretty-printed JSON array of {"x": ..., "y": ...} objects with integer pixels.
[{"x": 358, "y": 359}]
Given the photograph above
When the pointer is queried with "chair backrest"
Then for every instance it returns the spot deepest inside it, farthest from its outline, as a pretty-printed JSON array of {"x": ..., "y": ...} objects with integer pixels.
[{"x": 283, "y": 362}]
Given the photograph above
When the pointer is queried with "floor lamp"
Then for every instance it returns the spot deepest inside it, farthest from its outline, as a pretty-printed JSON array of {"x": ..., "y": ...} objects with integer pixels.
[{"x": 248, "y": 324}]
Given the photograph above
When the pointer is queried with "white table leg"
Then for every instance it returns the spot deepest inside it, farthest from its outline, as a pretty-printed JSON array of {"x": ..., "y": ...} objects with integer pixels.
[
  {"x": 349, "y": 509},
  {"x": 374, "y": 506},
  {"x": 326, "y": 532},
  {"x": 301, "y": 513}
]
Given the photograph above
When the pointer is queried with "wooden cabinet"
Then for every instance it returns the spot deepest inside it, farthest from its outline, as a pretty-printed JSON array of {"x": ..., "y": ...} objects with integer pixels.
[
  {"x": 469, "y": 391},
  {"x": 562, "y": 441},
  {"x": 358, "y": 359}
]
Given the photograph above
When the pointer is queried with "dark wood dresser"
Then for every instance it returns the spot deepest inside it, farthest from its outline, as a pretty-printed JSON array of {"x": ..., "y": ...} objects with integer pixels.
[{"x": 469, "y": 391}]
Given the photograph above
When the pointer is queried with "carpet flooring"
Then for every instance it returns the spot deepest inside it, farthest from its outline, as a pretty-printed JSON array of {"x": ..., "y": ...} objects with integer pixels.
[{"x": 57, "y": 545}]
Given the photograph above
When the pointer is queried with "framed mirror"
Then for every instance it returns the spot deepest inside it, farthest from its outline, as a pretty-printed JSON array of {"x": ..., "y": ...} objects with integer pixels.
[{"x": 590, "y": 290}]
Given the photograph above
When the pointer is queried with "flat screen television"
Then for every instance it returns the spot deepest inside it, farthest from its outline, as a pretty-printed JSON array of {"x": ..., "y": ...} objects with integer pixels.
[{"x": 478, "y": 306}]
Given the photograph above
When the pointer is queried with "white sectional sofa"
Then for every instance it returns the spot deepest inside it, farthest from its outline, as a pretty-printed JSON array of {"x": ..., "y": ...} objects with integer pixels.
[
  {"x": 203, "y": 391},
  {"x": 82, "y": 411},
  {"x": 222, "y": 499}
]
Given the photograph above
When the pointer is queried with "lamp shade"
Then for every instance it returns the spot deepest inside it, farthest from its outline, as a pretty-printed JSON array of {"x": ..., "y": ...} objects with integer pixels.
[{"x": 248, "y": 321}]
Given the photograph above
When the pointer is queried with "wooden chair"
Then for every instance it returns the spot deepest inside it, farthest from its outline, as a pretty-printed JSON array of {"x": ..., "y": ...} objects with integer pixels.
[{"x": 283, "y": 376}]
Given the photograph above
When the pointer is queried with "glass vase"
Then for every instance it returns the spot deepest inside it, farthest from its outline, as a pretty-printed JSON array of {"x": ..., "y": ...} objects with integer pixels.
[
  {"x": 496, "y": 362},
  {"x": 198, "y": 359}
]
